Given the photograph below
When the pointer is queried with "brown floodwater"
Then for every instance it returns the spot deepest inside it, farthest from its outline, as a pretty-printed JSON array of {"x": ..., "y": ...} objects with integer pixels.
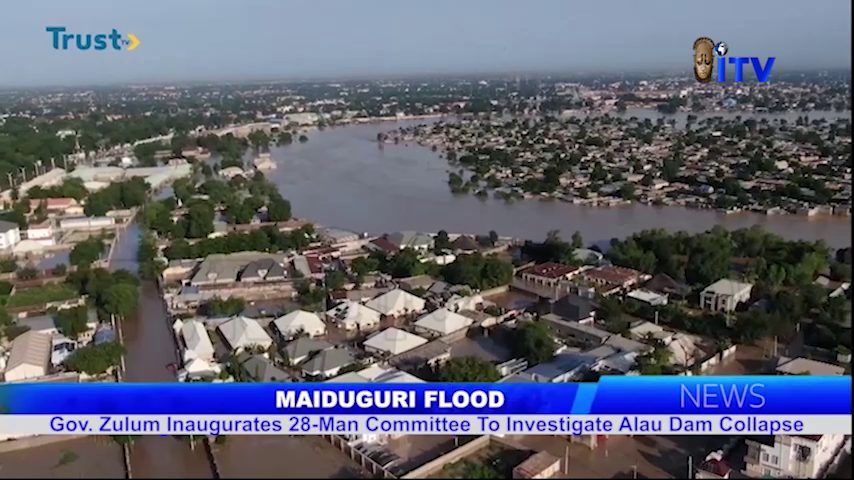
[
  {"x": 89, "y": 457},
  {"x": 150, "y": 349},
  {"x": 341, "y": 178}
]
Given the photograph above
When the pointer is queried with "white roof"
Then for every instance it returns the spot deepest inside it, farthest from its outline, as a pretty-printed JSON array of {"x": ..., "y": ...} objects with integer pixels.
[
  {"x": 395, "y": 302},
  {"x": 196, "y": 339},
  {"x": 646, "y": 296},
  {"x": 376, "y": 374},
  {"x": 242, "y": 332},
  {"x": 299, "y": 320},
  {"x": 443, "y": 321},
  {"x": 353, "y": 312},
  {"x": 727, "y": 287},
  {"x": 30, "y": 349},
  {"x": 394, "y": 341},
  {"x": 801, "y": 365}
]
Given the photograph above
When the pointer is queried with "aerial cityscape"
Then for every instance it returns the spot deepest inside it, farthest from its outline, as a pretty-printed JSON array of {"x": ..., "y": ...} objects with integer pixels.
[{"x": 346, "y": 203}]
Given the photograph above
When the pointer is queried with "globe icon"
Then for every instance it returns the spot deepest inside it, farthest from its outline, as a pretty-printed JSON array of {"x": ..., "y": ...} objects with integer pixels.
[{"x": 721, "y": 49}]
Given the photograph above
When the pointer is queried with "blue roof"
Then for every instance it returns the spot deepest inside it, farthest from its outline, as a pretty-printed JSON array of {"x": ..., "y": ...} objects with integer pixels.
[{"x": 105, "y": 335}]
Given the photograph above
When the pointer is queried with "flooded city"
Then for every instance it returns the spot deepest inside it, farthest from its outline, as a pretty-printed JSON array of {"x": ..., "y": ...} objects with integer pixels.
[{"x": 341, "y": 177}]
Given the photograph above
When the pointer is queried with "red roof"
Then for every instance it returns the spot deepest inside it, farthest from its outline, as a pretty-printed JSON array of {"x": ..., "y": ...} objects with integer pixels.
[
  {"x": 384, "y": 244},
  {"x": 59, "y": 203},
  {"x": 612, "y": 274},
  {"x": 314, "y": 264},
  {"x": 550, "y": 270},
  {"x": 718, "y": 467}
]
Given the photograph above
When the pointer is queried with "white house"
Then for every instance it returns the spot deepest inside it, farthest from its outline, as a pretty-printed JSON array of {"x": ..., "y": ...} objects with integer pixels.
[
  {"x": 29, "y": 358},
  {"x": 300, "y": 321},
  {"x": 396, "y": 302},
  {"x": 791, "y": 456},
  {"x": 442, "y": 322},
  {"x": 393, "y": 341},
  {"x": 197, "y": 343},
  {"x": 40, "y": 231},
  {"x": 10, "y": 234},
  {"x": 375, "y": 374},
  {"x": 241, "y": 333},
  {"x": 351, "y": 316},
  {"x": 725, "y": 295}
]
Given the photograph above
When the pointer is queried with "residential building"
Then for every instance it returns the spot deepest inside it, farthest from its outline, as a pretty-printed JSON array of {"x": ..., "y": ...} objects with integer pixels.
[
  {"x": 29, "y": 357},
  {"x": 301, "y": 348},
  {"x": 791, "y": 456},
  {"x": 442, "y": 322},
  {"x": 248, "y": 267},
  {"x": 724, "y": 295},
  {"x": 647, "y": 297},
  {"x": 261, "y": 369},
  {"x": 195, "y": 340},
  {"x": 40, "y": 231},
  {"x": 300, "y": 321},
  {"x": 430, "y": 354},
  {"x": 549, "y": 274},
  {"x": 574, "y": 308},
  {"x": 834, "y": 288},
  {"x": 87, "y": 223},
  {"x": 666, "y": 285},
  {"x": 10, "y": 234},
  {"x": 801, "y": 365},
  {"x": 327, "y": 363},
  {"x": 396, "y": 302},
  {"x": 539, "y": 465},
  {"x": 241, "y": 333},
  {"x": 414, "y": 240},
  {"x": 47, "y": 324},
  {"x": 351, "y": 316},
  {"x": 392, "y": 341},
  {"x": 611, "y": 279},
  {"x": 465, "y": 244}
]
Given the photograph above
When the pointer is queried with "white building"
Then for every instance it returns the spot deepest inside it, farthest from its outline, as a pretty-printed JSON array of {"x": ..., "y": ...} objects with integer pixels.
[
  {"x": 41, "y": 231},
  {"x": 652, "y": 299},
  {"x": 442, "y": 322},
  {"x": 86, "y": 223},
  {"x": 396, "y": 302},
  {"x": 300, "y": 321},
  {"x": 10, "y": 234},
  {"x": 801, "y": 365},
  {"x": 351, "y": 316},
  {"x": 29, "y": 358},
  {"x": 724, "y": 295},
  {"x": 791, "y": 456},
  {"x": 393, "y": 341},
  {"x": 241, "y": 333},
  {"x": 197, "y": 343}
]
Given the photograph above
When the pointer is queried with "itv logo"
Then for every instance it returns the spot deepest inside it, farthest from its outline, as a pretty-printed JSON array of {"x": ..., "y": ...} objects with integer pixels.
[
  {"x": 88, "y": 41},
  {"x": 705, "y": 50}
]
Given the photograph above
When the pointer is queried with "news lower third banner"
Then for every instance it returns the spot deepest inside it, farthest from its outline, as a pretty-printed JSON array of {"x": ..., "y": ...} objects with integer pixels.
[{"x": 616, "y": 405}]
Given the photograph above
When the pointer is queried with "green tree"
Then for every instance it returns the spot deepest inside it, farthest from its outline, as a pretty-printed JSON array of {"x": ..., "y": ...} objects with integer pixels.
[
  {"x": 71, "y": 322},
  {"x": 121, "y": 299},
  {"x": 200, "y": 217},
  {"x": 468, "y": 369},
  {"x": 335, "y": 279},
  {"x": 86, "y": 252},
  {"x": 534, "y": 342},
  {"x": 218, "y": 307},
  {"x": 95, "y": 359},
  {"x": 441, "y": 241},
  {"x": 577, "y": 240}
]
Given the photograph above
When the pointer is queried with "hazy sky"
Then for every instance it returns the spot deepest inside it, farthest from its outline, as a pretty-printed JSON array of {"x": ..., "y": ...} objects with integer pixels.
[{"x": 195, "y": 40}]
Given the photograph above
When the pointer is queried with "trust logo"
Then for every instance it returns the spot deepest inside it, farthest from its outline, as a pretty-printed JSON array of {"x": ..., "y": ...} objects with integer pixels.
[{"x": 91, "y": 41}]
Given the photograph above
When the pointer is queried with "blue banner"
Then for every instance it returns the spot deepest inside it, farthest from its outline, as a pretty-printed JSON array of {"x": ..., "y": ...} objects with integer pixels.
[{"x": 763, "y": 395}]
